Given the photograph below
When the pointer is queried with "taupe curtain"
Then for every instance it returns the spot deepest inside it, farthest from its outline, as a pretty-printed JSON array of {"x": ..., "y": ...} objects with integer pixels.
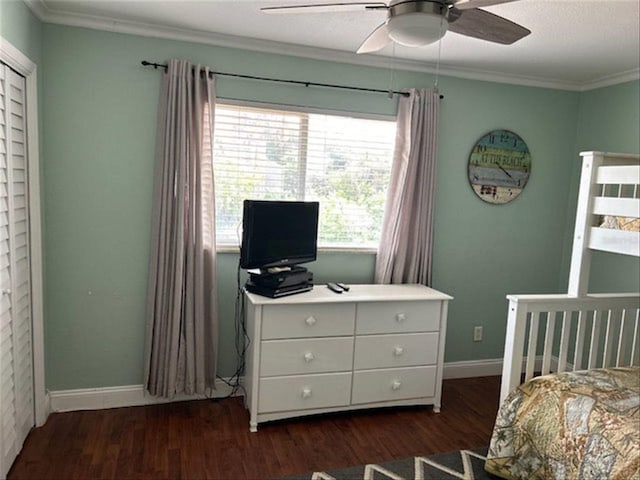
[
  {"x": 181, "y": 337},
  {"x": 404, "y": 255}
]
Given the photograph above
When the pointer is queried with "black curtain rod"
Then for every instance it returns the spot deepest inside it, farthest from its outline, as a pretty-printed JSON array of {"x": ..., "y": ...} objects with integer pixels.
[{"x": 296, "y": 82}]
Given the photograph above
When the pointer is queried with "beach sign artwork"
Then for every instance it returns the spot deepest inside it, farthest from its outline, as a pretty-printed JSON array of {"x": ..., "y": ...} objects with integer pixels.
[{"x": 499, "y": 166}]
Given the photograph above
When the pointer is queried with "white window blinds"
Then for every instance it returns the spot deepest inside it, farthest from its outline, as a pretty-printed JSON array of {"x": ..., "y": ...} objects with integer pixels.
[{"x": 342, "y": 162}]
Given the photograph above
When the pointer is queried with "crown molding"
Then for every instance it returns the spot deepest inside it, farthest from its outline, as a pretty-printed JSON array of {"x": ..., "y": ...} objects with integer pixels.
[
  {"x": 38, "y": 8},
  {"x": 265, "y": 46},
  {"x": 615, "y": 79},
  {"x": 512, "y": 79}
]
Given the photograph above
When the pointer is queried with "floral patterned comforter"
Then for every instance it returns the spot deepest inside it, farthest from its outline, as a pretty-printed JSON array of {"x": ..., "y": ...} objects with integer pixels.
[{"x": 573, "y": 425}]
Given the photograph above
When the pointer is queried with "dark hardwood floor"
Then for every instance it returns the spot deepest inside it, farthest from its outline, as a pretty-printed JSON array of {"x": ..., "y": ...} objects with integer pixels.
[{"x": 211, "y": 439}]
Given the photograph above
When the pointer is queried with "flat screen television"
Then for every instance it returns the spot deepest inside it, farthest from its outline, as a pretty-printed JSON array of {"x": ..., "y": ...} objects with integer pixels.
[{"x": 278, "y": 233}]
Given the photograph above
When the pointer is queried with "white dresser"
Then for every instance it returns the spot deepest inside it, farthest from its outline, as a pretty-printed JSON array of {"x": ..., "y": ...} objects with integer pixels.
[{"x": 319, "y": 351}]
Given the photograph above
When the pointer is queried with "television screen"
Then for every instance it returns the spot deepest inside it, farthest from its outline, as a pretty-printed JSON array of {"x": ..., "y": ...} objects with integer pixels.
[{"x": 278, "y": 233}]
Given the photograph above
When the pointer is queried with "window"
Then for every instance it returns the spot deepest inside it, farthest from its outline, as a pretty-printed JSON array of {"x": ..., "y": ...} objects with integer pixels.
[{"x": 342, "y": 162}]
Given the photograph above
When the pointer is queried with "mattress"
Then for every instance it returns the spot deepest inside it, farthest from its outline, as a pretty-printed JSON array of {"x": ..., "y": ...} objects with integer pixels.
[
  {"x": 573, "y": 425},
  {"x": 629, "y": 224}
]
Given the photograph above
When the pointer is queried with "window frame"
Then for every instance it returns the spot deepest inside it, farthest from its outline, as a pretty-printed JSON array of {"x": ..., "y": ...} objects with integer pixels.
[{"x": 233, "y": 102}]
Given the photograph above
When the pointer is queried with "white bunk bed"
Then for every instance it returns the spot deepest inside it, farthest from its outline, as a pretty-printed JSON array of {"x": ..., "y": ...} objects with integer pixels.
[{"x": 571, "y": 339}]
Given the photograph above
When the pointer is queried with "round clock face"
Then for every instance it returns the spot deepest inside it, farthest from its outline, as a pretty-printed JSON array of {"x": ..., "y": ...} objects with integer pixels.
[{"x": 499, "y": 166}]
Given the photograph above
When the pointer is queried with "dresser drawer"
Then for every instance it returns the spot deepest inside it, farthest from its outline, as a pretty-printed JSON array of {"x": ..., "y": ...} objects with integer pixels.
[
  {"x": 317, "y": 355},
  {"x": 308, "y": 320},
  {"x": 393, "y": 384},
  {"x": 403, "y": 350},
  {"x": 398, "y": 317},
  {"x": 304, "y": 392}
]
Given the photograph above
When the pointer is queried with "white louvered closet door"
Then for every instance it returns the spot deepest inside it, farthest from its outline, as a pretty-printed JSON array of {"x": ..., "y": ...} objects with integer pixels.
[{"x": 16, "y": 356}]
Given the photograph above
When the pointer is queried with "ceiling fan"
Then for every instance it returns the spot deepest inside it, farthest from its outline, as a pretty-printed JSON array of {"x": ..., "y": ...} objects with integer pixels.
[{"x": 415, "y": 23}]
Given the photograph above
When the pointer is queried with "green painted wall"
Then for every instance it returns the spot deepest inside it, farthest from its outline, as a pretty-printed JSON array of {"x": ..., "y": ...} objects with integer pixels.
[
  {"x": 608, "y": 121},
  {"x": 484, "y": 252},
  {"x": 100, "y": 109},
  {"x": 21, "y": 28},
  {"x": 100, "y": 113}
]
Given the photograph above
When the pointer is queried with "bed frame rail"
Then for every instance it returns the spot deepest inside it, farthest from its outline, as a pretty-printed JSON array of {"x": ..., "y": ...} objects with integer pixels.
[{"x": 557, "y": 333}]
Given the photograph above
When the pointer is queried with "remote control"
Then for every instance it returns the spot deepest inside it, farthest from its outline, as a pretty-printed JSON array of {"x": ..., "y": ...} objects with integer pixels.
[
  {"x": 333, "y": 287},
  {"x": 343, "y": 286}
]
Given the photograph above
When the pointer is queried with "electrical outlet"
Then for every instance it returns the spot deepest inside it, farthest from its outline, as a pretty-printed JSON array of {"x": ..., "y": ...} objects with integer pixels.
[{"x": 477, "y": 334}]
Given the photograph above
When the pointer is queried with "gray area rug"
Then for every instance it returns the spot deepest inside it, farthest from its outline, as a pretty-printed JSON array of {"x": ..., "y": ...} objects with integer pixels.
[{"x": 462, "y": 464}]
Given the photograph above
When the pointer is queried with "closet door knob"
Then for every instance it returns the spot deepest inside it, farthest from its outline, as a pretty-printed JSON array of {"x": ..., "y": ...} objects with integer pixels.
[
  {"x": 308, "y": 357},
  {"x": 400, "y": 317},
  {"x": 6, "y": 291},
  {"x": 396, "y": 385},
  {"x": 310, "y": 321},
  {"x": 306, "y": 392},
  {"x": 397, "y": 351}
]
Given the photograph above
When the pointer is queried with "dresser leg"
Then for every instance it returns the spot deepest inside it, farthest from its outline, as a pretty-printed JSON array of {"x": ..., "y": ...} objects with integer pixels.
[
  {"x": 253, "y": 427},
  {"x": 436, "y": 408}
]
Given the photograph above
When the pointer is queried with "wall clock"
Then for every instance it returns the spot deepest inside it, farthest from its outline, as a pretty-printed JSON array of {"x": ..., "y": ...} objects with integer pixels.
[{"x": 499, "y": 166}]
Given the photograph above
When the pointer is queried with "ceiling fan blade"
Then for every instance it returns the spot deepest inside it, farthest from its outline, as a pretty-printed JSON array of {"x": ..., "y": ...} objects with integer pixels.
[
  {"x": 486, "y": 26},
  {"x": 468, "y": 4},
  {"x": 377, "y": 40},
  {"x": 325, "y": 7}
]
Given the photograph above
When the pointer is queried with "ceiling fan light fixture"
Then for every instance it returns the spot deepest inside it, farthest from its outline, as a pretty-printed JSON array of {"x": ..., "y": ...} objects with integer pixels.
[{"x": 417, "y": 29}]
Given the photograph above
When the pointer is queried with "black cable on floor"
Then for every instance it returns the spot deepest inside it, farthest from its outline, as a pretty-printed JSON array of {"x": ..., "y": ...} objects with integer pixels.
[{"x": 241, "y": 343}]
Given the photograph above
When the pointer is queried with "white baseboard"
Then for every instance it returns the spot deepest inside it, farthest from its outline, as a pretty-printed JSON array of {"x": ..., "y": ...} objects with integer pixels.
[
  {"x": 473, "y": 368},
  {"x": 134, "y": 395},
  {"x": 493, "y": 366},
  {"x": 121, "y": 396},
  {"x": 44, "y": 411}
]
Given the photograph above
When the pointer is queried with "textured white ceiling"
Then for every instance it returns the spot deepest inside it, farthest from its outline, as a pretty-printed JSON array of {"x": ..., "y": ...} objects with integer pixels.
[{"x": 574, "y": 43}]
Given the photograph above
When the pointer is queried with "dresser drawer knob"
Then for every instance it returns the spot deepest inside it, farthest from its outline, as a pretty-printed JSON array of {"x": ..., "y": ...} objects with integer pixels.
[
  {"x": 310, "y": 321},
  {"x": 306, "y": 392},
  {"x": 400, "y": 317},
  {"x": 308, "y": 357},
  {"x": 397, "y": 351},
  {"x": 396, "y": 385}
]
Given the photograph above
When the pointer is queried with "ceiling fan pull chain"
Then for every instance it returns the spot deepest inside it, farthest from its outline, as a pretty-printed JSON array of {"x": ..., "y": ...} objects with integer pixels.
[
  {"x": 392, "y": 71},
  {"x": 435, "y": 86}
]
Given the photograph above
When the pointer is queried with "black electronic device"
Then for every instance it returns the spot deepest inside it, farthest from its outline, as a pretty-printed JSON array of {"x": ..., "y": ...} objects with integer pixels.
[
  {"x": 343, "y": 286},
  {"x": 277, "y": 236},
  {"x": 278, "y": 233},
  {"x": 295, "y": 276},
  {"x": 334, "y": 287},
  {"x": 279, "y": 291}
]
